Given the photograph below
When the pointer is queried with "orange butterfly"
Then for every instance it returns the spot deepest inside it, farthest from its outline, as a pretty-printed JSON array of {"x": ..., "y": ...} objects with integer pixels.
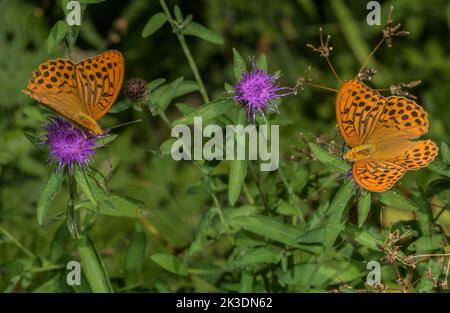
[
  {"x": 380, "y": 131},
  {"x": 81, "y": 92}
]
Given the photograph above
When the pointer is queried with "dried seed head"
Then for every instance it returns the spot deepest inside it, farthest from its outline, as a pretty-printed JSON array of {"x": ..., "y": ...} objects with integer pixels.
[{"x": 136, "y": 90}]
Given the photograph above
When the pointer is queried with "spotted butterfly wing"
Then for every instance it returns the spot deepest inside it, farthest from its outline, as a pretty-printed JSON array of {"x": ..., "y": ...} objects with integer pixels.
[
  {"x": 60, "y": 85},
  {"x": 99, "y": 80}
]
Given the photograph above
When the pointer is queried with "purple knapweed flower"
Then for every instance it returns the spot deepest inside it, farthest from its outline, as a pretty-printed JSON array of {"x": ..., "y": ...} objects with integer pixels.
[
  {"x": 68, "y": 145},
  {"x": 256, "y": 89}
]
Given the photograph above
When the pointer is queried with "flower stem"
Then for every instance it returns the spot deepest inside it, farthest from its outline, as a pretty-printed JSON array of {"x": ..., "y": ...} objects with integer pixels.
[
  {"x": 72, "y": 222},
  {"x": 16, "y": 242},
  {"x": 186, "y": 51}
]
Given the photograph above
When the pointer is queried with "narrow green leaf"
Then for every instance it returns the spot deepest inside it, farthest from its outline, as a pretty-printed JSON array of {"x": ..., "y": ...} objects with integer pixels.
[
  {"x": 169, "y": 93},
  {"x": 268, "y": 227},
  {"x": 170, "y": 263},
  {"x": 255, "y": 256},
  {"x": 121, "y": 106},
  {"x": 155, "y": 84},
  {"x": 261, "y": 63},
  {"x": 51, "y": 188},
  {"x": 84, "y": 184},
  {"x": 135, "y": 256},
  {"x": 397, "y": 200},
  {"x": 57, "y": 34},
  {"x": 238, "y": 168},
  {"x": 445, "y": 152},
  {"x": 246, "y": 282},
  {"x": 312, "y": 236},
  {"x": 369, "y": 238},
  {"x": 59, "y": 243},
  {"x": 201, "y": 240},
  {"x": 200, "y": 31},
  {"x": 239, "y": 65},
  {"x": 207, "y": 112},
  {"x": 154, "y": 23},
  {"x": 329, "y": 272},
  {"x": 330, "y": 160},
  {"x": 364, "y": 203},
  {"x": 338, "y": 209},
  {"x": 93, "y": 267}
]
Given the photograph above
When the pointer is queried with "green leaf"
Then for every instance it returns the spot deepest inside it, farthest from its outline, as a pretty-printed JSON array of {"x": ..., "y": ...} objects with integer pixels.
[
  {"x": 154, "y": 23},
  {"x": 84, "y": 184},
  {"x": 330, "y": 160},
  {"x": 330, "y": 272},
  {"x": 426, "y": 283},
  {"x": 371, "y": 238},
  {"x": 268, "y": 227},
  {"x": 120, "y": 206},
  {"x": 59, "y": 243},
  {"x": 207, "y": 112},
  {"x": 200, "y": 31},
  {"x": 239, "y": 65},
  {"x": 338, "y": 209},
  {"x": 57, "y": 34},
  {"x": 439, "y": 167},
  {"x": 312, "y": 236},
  {"x": 93, "y": 267},
  {"x": 163, "y": 95},
  {"x": 397, "y": 200},
  {"x": 135, "y": 256},
  {"x": 121, "y": 106},
  {"x": 108, "y": 139},
  {"x": 255, "y": 256},
  {"x": 170, "y": 263},
  {"x": 364, "y": 203},
  {"x": 201, "y": 240},
  {"x": 155, "y": 84},
  {"x": 426, "y": 244},
  {"x": 51, "y": 188},
  {"x": 445, "y": 152},
  {"x": 238, "y": 168},
  {"x": 261, "y": 63}
]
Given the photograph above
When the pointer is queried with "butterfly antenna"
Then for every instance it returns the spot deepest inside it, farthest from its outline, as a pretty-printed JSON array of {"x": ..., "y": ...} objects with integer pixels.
[
  {"x": 322, "y": 87},
  {"x": 370, "y": 56},
  {"x": 124, "y": 124}
]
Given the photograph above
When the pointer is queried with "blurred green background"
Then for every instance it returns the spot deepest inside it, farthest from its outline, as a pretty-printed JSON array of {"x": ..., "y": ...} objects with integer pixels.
[{"x": 171, "y": 191}]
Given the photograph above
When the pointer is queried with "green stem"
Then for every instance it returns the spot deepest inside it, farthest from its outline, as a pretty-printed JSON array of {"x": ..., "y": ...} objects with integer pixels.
[
  {"x": 16, "y": 242},
  {"x": 186, "y": 51},
  {"x": 165, "y": 119},
  {"x": 72, "y": 219}
]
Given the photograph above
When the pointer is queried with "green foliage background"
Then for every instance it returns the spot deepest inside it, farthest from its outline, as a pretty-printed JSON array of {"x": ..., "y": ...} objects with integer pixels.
[{"x": 168, "y": 226}]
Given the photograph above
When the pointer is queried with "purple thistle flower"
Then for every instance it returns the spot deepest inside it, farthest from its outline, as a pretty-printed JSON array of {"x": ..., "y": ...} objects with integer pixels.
[
  {"x": 69, "y": 145},
  {"x": 257, "y": 89}
]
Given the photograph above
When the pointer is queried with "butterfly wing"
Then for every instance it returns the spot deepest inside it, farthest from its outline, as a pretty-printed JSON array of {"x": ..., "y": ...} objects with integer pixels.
[
  {"x": 410, "y": 154},
  {"x": 402, "y": 119},
  {"x": 53, "y": 84},
  {"x": 99, "y": 81},
  {"x": 358, "y": 110},
  {"x": 375, "y": 175}
]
